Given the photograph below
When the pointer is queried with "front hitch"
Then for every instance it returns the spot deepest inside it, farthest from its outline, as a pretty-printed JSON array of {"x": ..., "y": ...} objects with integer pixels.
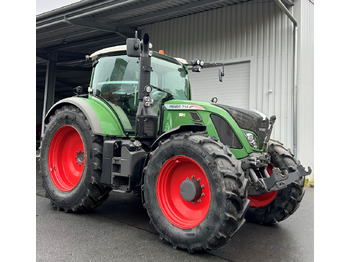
[{"x": 276, "y": 181}]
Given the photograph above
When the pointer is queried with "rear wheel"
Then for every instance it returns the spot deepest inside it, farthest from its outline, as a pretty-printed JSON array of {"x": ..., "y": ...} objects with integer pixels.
[
  {"x": 70, "y": 162},
  {"x": 276, "y": 206},
  {"x": 195, "y": 192}
]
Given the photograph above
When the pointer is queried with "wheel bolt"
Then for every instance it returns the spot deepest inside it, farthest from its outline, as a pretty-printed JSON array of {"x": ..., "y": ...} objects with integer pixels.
[
  {"x": 198, "y": 179},
  {"x": 199, "y": 200},
  {"x": 202, "y": 186},
  {"x": 202, "y": 194},
  {"x": 192, "y": 176}
]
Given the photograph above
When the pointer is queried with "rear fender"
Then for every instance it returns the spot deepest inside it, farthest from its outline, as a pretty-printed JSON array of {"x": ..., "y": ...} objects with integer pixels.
[{"x": 84, "y": 107}]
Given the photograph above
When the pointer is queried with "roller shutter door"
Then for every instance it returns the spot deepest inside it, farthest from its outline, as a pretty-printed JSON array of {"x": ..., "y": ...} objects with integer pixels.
[{"x": 234, "y": 90}]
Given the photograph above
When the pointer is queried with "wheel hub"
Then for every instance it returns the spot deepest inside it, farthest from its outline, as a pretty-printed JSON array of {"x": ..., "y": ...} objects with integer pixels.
[
  {"x": 79, "y": 157},
  {"x": 190, "y": 190}
]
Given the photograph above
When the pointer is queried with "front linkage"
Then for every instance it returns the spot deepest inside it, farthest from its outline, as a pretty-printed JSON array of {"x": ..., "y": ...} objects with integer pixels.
[
  {"x": 261, "y": 181},
  {"x": 255, "y": 167}
]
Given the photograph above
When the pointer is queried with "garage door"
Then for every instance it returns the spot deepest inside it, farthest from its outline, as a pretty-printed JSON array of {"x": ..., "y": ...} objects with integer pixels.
[{"x": 234, "y": 90}]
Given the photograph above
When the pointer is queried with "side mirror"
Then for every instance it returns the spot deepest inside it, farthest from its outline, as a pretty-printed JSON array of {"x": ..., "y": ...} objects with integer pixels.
[
  {"x": 133, "y": 47},
  {"x": 78, "y": 90},
  {"x": 221, "y": 73}
]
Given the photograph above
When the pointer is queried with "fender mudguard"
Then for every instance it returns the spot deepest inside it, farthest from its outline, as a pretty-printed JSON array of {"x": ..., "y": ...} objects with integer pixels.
[
  {"x": 178, "y": 129},
  {"x": 84, "y": 107}
]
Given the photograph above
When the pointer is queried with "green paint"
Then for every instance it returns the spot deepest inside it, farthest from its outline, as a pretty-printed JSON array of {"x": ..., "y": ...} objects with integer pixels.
[
  {"x": 109, "y": 123},
  {"x": 174, "y": 118}
]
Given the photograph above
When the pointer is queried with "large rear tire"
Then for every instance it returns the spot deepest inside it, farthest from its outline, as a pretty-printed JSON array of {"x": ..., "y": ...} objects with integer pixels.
[
  {"x": 70, "y": 162},
  {"x": 195, "y": 192},
  {"x": 276, "y": 206}
]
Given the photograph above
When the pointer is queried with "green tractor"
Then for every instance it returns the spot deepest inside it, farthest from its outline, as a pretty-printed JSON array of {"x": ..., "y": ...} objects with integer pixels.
[{"x": 200, "y": 168}]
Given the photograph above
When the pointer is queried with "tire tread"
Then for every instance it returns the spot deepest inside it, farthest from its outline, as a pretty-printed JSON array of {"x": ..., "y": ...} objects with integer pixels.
[
  {"x": 229, "y": 170},
  {"x": 95, "y": 193},
  {"x": 287, "y": 200}
]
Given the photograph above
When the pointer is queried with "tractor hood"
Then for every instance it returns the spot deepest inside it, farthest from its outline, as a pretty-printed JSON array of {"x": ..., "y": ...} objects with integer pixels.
[{"x": 251, "y": 120}]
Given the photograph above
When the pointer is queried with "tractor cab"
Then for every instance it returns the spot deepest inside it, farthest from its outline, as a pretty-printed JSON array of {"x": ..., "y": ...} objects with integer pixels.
[{"x": 116, "y": 76}]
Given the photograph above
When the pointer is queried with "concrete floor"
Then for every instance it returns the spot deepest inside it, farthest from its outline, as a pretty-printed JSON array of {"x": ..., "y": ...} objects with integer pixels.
[{"x": 119, "y": 230}]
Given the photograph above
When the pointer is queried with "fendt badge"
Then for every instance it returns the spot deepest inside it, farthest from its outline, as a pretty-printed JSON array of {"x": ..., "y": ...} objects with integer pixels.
[{"x": 184, "y": 107}]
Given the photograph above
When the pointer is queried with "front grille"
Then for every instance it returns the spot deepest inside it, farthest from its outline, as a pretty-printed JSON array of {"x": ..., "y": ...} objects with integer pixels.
[{"x": 249, "y": 120}]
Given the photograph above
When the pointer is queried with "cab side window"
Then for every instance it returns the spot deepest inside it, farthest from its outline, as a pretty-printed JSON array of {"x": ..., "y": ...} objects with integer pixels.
[{"x": 116, "y": 80}]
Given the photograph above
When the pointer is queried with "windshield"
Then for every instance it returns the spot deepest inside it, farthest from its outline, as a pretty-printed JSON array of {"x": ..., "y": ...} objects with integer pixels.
[
  {"x": 116, "y": 78},
  {"x": 170, "y": 76}
]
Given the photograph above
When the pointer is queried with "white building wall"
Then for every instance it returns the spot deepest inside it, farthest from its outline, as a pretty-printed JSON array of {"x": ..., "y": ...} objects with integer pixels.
[
  {"x": 304, "y": 13},
  {"x": 257, "y": 32}
]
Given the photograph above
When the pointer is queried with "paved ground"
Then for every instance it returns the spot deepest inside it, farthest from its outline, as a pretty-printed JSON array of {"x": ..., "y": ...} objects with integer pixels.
[{"x": 119, "y": 230}]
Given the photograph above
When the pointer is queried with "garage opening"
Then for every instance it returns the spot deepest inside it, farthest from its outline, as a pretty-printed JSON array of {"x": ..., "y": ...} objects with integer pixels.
[{"x": 233, "y": 91}]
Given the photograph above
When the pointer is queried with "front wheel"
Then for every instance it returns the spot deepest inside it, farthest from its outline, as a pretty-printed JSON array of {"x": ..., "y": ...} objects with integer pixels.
[
  {"x": 195, "y": 192},
  {"x": 276, "y": 206}
]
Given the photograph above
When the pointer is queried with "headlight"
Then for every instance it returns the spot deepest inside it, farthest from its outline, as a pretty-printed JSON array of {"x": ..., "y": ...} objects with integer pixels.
[{"x": 253, "y": 142}]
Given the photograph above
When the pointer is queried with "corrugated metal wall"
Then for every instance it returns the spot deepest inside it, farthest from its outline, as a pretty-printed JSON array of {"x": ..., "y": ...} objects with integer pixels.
[
  {"x": 234, "y": 90},
  {"x": 255, "y": 31}
]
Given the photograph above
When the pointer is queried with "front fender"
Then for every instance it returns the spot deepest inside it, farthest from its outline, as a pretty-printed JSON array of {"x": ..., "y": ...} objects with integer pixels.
[{"x": 178, "y": 129}]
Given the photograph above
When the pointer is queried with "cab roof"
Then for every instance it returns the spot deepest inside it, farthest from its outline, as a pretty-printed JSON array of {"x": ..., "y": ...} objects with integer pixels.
[
  {"x": 112, "y": 49},
  {"x": 121, "y": 48}
]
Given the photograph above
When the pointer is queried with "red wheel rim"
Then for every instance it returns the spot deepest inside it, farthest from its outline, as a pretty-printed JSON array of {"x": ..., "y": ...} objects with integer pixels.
[
  {"x": 180, "y": 212},
  {"x": 264, "y": 199},
  {"x": 66, "y": 158}
]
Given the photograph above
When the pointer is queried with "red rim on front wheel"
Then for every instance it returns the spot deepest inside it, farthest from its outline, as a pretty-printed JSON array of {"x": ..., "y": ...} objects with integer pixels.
[
  {"x": 66, "y": 158},
  {"x": 263, "y": 199},
  {"x": 183, "y": 192}
]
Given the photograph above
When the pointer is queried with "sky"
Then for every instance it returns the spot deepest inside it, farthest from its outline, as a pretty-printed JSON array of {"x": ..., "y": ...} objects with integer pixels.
[{"x": 43, "y": 6}]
